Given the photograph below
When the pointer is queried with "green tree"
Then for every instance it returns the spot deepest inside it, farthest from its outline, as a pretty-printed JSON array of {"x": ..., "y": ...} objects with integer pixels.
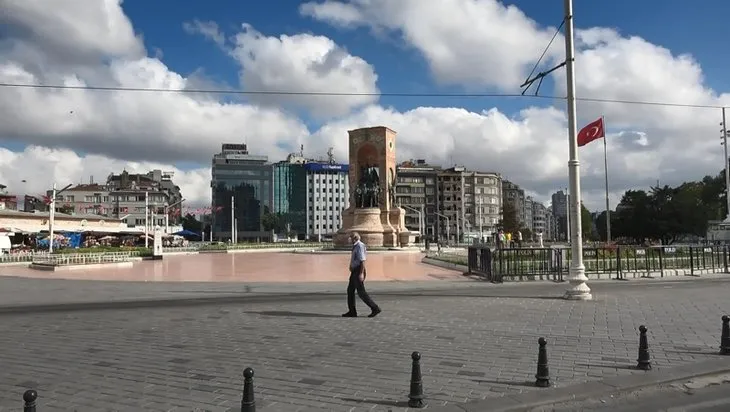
[
  {"x": 510, "y": 222},
  {"x": 586, "y": 223},
  {"x": 633, "y": 217},
  {"x": 67, "y": 209},
  {"x": 189, "y": 222},
  {"x": 270, "y": 221}
]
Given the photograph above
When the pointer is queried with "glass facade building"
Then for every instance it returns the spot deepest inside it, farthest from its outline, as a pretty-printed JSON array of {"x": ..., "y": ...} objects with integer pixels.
[
  {"x": 248, "y": 180},
  {"x": 290, "y": 194}
]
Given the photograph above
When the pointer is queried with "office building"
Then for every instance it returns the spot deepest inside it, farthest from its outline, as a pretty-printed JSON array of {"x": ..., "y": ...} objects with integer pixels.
[
  {"x": 290, "y": 194},
  {"x": 7, "y": 201},
  {"x": 327, "y": 191},
  {"x": 416, "y": 191},
  {"x": 248, "y": 179},
  {"x": 560, "y": 213},
  {"x": 471, "y": 201}
]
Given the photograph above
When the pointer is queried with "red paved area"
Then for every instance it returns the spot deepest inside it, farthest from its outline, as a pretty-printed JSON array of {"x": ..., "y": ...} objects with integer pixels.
[{"x": 254, "y": 267}]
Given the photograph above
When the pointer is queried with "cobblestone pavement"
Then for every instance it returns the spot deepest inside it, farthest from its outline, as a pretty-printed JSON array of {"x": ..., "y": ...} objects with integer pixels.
[{"x": 307, "y": 357}]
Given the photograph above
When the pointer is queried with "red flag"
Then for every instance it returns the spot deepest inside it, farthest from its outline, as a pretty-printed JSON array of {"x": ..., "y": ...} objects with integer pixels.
[{"x": 591, "y": 132}]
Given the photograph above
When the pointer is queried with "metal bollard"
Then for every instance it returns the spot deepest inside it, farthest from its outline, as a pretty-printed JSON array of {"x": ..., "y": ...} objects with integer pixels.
[
  {"x": 644, "y": 362},
  {"x": 29, "y": 398},
  {"x": 725, "y": 337},
  {"x": 415, "y": 397},
  {"x": 248, "y": 404},
  {"x": 543, "y": 373}
]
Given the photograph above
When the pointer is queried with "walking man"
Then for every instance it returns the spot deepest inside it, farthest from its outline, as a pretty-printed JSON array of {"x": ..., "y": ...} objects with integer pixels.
[{"x": 357, "y": 279}]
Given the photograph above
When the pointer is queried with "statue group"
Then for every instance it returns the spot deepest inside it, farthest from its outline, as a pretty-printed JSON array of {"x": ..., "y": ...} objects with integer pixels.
[{"x": 367, "y": 192}]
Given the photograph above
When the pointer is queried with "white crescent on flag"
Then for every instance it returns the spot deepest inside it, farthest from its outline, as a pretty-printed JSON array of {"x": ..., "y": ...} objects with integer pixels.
[{"x": 594, "y": 131}]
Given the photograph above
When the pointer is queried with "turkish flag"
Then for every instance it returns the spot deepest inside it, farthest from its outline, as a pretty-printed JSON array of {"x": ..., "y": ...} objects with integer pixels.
[{"x": 591, "y": 132}]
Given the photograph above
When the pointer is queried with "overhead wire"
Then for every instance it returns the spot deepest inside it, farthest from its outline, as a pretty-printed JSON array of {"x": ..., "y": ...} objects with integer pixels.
[{"x": 347, "y": 94}]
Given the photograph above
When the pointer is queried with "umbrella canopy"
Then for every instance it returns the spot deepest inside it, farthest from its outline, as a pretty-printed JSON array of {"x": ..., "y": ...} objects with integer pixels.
[{"x": 186, "y": 233}]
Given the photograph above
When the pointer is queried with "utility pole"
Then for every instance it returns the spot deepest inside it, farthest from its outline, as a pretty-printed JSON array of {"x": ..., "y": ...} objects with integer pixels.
[
  {"x": 233, "y": 220},
  {"x": 146, "y": 218},
  {"x": 727, "y": 164},
  {"x": 578, "y": 289}
]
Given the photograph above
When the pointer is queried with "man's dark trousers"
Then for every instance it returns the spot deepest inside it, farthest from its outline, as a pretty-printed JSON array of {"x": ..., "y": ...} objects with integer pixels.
[{"x": 356, "y": 285}]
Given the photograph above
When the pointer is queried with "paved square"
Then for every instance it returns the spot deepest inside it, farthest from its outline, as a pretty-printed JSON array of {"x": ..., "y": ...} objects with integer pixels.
[{"x": 476, "y": 343}]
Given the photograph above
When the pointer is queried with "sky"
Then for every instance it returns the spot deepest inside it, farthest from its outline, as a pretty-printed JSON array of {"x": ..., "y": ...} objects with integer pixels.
[{"x": 372, "y": 49}]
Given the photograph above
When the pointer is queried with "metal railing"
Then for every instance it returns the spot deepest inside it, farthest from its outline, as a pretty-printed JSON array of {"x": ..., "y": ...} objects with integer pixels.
[
  {"x": 615, "y": 261},
  {"x": 72, "y": 259},
  {"x": 199, "y": 247},
  {"x": 20, "y": 257}
]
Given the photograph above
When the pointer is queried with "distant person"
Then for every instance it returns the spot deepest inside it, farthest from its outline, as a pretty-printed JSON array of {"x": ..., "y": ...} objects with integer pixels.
[
  {"x": 357, "y": 279},
  {"x": 509, "y": 240},
  {"x": 501, "y": 239},
  {"x": 519, "y": 239}
]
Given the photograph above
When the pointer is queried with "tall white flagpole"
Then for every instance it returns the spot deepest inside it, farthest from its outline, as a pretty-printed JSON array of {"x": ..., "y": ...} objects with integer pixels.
[
  {"x": 605, "y": 168},
  {"x": 146, "y": 218},
  {"x": 578, "y": 289}
]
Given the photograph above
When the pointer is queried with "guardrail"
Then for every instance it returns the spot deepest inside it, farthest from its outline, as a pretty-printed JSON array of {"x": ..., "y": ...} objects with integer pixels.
[
  {"x": 72, "y": 259},
  {"x": 553, "y": 263}
]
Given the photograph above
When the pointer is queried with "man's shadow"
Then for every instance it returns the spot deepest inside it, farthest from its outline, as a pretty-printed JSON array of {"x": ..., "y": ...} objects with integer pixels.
[{"x": 289, "y": 314}]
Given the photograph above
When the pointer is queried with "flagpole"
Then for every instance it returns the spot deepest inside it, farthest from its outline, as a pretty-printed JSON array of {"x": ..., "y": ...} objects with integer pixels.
[{"x": 605, "y": 168}]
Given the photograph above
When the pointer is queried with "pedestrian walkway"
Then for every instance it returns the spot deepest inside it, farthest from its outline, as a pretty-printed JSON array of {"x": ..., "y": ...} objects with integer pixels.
[
  {"x": 476, "y": 343},
  {"x": 253, "y": 267}
]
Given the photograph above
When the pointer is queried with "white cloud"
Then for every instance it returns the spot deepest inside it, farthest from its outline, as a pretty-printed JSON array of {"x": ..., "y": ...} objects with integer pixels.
[
  {"x": 38, "y": 166},
  {"x": 304, "y": 63},
  {"x": 466, "y": 42}
]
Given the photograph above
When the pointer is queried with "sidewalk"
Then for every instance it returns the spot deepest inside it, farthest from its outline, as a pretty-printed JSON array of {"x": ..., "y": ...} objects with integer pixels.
[{"x": 477, "y": 343}]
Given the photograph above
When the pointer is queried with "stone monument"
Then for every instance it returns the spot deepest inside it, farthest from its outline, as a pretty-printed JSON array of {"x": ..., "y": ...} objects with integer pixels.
[{"x": 372, "y": 211}]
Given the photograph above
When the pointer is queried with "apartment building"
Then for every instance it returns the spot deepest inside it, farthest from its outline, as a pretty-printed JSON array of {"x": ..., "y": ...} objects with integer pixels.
[
  {"x": 471, "y": 201},
  {"x": 560, "y": 213},
  {"x": 133, "y": 198},
  {"x": 512, "y": 193},
  {"x": 327, "y": 191},
  {"x": 416, "y": 191}
]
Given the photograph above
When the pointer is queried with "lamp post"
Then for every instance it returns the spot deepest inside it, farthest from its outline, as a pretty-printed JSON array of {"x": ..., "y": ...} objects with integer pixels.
[
  {"x": 167, "y": 215},
  {"x": 448, "y": 229},
  {"x": 52, "y": 214},
  {"x": 146, "y": 218},
  {"x": 578, "y": 289},
  {"x": 420, "y": 217},
  {"x": 724, "y": 132}
]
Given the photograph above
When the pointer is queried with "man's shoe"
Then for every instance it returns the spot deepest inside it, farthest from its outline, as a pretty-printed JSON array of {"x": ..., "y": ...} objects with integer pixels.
[
  {"x": 349, "y": 315},
  {"x": 375, "y": 313}
]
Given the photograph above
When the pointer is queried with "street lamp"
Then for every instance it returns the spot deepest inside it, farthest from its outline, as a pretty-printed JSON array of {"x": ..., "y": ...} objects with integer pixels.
[
  {"x": 167, "y": 214},
  {"x": 448, "y": 229},
  {"x": 725, "y": 132},
  {"x": 578, "y": 289},
  {"x": 52, "y": 214},
  {"x": 420, "y": 217}
]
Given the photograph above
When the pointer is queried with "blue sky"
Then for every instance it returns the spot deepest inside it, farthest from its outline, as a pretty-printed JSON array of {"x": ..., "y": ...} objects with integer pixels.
[{"x": 675, "y": 24}]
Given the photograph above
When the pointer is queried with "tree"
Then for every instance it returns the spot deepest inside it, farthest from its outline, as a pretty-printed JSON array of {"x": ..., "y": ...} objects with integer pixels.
[
  {"x": 274, "y": 221},
  {"x": 67, "y": 209},
  {"x": 586, "y": 223},
  {"x": 510, "y": 222},
  {"x": 189, "y": 222}
]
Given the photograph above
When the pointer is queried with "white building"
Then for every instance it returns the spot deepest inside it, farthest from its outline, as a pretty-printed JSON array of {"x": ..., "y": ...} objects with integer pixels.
[{"x": 328, "y": 189}]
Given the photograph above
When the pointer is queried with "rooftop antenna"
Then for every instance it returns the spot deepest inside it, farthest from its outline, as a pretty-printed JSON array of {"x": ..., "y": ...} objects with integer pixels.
[
  {"x": 301, "y": 150},
  {"x": 331, "y": 155}
]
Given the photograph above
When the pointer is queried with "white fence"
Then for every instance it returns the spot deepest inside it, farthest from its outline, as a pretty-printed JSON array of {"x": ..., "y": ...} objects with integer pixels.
[
  {"x": 69, "y": 259},
  {"x": 20, "y": 257}
]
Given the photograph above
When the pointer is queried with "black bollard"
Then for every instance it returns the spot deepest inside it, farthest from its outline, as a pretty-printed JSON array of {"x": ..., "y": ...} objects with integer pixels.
[
  {"x": 29, "y": 398},
  {"x": 644, "y": 362},
  {"x": 248, "y": 404},
  {"x": 543, "y": 374},
  {"x": 415, "y": 398},
  {"x": 725, "y": 337}
]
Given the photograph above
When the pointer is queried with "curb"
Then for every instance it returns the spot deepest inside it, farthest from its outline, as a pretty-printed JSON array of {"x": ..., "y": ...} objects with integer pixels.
[{"x": 545, "y": 397}]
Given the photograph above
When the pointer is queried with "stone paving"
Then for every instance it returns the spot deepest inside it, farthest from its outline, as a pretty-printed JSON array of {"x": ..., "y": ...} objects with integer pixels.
[{"x": 476, "y": 343}]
